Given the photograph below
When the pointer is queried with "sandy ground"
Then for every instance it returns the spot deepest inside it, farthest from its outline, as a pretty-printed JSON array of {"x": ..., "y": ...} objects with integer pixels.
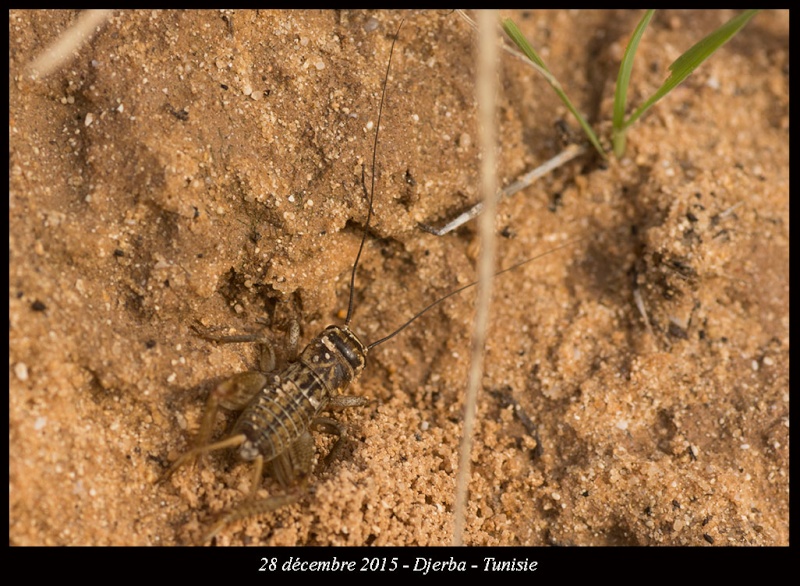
[{"x": 205, "y": 167}]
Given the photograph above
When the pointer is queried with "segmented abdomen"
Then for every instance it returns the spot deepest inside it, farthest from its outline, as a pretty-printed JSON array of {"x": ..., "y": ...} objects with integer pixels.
[{"x": 279, "y": 414}]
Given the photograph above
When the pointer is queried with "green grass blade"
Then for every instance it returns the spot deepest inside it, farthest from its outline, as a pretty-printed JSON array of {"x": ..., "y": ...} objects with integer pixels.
[
  {"x": 515, "y": 35},
  {"x": 621, "y": 93},
  {"x": 691, "y": 59}
]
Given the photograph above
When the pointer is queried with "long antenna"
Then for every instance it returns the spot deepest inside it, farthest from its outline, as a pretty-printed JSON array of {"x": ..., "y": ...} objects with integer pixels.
[
  {"x": 372, "y": 188},
  {"x": 460, "y": 289},
  {"x": 371, "y": 196}
]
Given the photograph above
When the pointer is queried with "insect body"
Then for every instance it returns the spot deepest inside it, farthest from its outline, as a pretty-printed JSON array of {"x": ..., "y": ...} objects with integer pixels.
[
  {"x": 279, "y": 410},
  {"x": 285, "y": 406}
]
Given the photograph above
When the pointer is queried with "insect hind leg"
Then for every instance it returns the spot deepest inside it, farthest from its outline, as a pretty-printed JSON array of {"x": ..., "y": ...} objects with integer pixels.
[
  {"x": 233, "y": 393},
  {"x": 188, "y": 457},
  {"x": 292, "y": 465},
  {"x": 253, "y": 508}
]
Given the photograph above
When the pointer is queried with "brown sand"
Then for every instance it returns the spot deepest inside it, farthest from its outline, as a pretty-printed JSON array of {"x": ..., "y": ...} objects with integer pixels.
[{"x": 206, "y": 166}]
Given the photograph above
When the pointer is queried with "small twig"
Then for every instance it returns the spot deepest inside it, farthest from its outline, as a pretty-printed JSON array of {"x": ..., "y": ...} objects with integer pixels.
[
  {"x": 639, "y": 301},
  {"x": 66, "y": 46},
  {"x": 526, "y": 180},
  {"x": 722, "y": 215}
]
